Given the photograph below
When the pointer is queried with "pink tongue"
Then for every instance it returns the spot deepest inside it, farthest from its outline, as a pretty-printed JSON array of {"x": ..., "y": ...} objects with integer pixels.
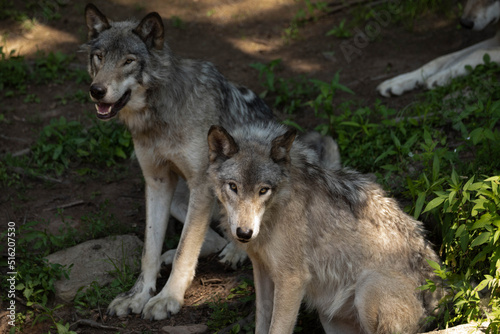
[{"x": 103, "y": 108}]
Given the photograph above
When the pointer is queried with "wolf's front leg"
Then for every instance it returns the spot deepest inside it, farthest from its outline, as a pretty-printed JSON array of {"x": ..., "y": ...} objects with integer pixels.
[
  {"x": 264, "y": 291},
  {"x": 159, "y": 193},
  {"x": 289, "y": 290},
  {"x": 171, "y": 297}
]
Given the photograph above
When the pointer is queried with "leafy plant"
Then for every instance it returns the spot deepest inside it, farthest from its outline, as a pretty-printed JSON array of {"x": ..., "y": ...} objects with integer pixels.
[
  {"x": 66, "y": 142},
  {"x": 224, "y": 314},
  {"x": 469, "y": 215},
  {"x": 340, "y": 31}
]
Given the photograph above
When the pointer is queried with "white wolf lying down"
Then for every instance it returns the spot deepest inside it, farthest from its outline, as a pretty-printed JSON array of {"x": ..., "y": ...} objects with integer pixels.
[{"x": 438, "y": 72}]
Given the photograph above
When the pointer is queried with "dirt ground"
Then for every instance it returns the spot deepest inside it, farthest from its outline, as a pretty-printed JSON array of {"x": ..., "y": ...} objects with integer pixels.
[{"x": 232, "y": 34}]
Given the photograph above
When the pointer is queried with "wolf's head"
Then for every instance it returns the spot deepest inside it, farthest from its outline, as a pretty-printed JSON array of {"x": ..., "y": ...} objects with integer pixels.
[
  {"x": 479, "y": 13},
  {"x": 118, "y": 54},
  {"x": 247, "y": 172}
]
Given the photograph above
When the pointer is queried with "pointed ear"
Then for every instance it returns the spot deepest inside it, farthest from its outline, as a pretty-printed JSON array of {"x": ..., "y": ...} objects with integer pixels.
[
  {"x": 96, "y": 21},
  {"x": 220, "y": 143},
  {"x": 151, "y": 31},
  {"x": 280, "y": 149}
]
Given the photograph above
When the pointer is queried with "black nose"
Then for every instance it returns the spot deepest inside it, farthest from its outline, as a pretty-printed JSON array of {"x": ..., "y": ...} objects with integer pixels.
[
  {"x": 467, "y": 23},
  {"x": 244, "y": 234},
  {"x": 97, "y": 91}
]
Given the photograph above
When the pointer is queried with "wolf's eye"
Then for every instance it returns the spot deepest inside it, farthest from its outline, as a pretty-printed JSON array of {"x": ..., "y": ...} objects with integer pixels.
[
  {"x": 98, "y": 57},
  {"x": 233, "y": 187},
  {"x": 263, "y": 191},
  {"x": 129, "y": 61}
]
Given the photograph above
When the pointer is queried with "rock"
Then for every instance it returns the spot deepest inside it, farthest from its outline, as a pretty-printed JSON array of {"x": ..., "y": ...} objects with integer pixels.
[
  {"x": 93, "y": 260},
  {"x": 471, "y": 328},
  {"x": 189, "y": 329}
]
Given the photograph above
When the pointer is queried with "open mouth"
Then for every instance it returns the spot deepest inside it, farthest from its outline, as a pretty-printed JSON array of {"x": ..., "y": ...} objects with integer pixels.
[{"x": 107, "y": 110}]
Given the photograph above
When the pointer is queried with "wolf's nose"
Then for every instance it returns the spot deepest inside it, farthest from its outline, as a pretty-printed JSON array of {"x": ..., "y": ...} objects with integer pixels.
[
  {"x": 466, "y": 23},
  {"x": 97, "y": 91},
  {"x": 244, "y": 234}
]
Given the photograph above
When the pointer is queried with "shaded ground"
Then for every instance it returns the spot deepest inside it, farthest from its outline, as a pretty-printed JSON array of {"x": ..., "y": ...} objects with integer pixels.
[{"x": 232, "y": 35}]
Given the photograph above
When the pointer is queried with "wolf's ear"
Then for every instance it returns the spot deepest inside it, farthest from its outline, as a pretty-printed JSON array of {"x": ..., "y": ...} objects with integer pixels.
[
  {"x": 151, "y": 31},
  {"x": 220, "y": 143},
  {"x": 96, "y": 21},
  {"x": 280, "y": 149}
]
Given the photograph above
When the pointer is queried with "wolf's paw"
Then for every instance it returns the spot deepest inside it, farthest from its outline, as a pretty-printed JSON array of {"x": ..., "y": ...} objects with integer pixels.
[
  {"x": 439, "y": 79},
  {"x": 400, "y": 84},
  {"x": 160, "y": 307},
  {"x": 168, "y": 256},
  {"x": 128, "y": 302},
  {"x": 232, "y": 255}
]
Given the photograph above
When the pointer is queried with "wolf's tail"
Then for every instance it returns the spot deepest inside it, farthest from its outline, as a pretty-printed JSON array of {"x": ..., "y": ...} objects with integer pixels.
[{"x": 326, "y": 148}]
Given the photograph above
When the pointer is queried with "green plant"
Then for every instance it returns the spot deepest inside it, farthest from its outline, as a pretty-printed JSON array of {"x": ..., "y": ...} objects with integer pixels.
[
  {"x": 13, "y": 73},
  {"x": 340, "y": 31},
  {"x": 224, "y": 314},
  {"x": 31, "y": 98},
  {"x": 67, "y": 142},
  {"x": 309, "y": 13},
  {"x": 469, "y": 215},
  {"x": 16, "y": 72}
]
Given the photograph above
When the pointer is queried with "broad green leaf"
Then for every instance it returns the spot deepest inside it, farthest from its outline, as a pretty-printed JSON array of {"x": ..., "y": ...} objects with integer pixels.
[
  {"x": 434, "y": 203},
  {"x": 481, "y": 239},
  {"x": 434, "y": 264},
  {"x": 482, "y": 222},
  {"x": 419, "y": 205}
]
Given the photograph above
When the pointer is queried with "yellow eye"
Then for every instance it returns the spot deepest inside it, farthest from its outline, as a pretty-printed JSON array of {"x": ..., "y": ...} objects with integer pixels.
[
  {"x": 263, "y": 191},
  {"x": 99, "y": 57},
  {"x": 129, "y": 61},
  {"x": 233, "y": 187}
]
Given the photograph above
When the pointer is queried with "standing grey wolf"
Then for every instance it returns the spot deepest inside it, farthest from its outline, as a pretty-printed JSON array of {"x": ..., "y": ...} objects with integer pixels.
[
  {"x": 168, "y": 104},
  {"x": 328, "y": 236},
  {"x": 438, "y": 72}
]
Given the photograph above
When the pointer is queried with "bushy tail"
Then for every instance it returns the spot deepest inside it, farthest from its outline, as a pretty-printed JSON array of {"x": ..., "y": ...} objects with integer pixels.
[{"x": 326, "y": 148}]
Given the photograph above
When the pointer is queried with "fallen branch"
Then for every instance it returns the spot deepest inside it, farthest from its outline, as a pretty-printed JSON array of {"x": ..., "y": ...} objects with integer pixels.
[
  {"x": 93, "y": 324},
  {"x": 21, "y": 171},
  {"x": 65, "y": 206}
]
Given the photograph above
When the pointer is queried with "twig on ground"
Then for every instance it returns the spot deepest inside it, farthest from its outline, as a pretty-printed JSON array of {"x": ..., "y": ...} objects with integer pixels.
[
  {"x": 65, "y": 206},
  {"x": 21, "y": 140},
  {"x": 21, "y": 171},
  {"x": 210, "y": 281},
  {"x": 93, "y": 324}
]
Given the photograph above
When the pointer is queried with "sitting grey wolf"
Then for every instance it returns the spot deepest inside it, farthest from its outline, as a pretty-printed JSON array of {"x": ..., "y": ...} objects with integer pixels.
[
  {"x": 168, "y": 104},
  {"x": 330, "y": 237},
  {"x": 438, "y": 72}
]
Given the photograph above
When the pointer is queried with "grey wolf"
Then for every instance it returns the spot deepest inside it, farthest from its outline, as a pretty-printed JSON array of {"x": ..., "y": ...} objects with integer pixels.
[
  {"x": 327, "y": 236},
  {"x": 168, "y": 104},
  {"x": 438, "y": 72}
]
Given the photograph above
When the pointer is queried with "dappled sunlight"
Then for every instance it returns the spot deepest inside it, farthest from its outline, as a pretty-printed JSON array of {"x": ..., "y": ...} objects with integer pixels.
[{"x": 40, "y": 37}]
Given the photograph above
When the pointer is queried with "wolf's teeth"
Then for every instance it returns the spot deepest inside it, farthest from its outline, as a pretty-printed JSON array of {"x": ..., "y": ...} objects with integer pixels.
[
  {"x": 109, "y": 110},
  {"x": 96, "y": 107}
]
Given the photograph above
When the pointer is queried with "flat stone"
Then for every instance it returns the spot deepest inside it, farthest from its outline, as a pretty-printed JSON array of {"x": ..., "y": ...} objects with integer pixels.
[
  {"x": 471, "y": 328},
  {"x": 93, "y": 260},
  {"x": 189, "y": 329}
]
